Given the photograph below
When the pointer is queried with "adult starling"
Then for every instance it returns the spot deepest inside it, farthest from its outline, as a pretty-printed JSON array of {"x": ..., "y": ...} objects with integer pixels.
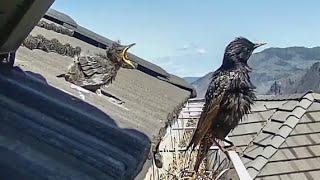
[
  {"x": 93, "y": 72},
  {"x": 228, "y": 97}
]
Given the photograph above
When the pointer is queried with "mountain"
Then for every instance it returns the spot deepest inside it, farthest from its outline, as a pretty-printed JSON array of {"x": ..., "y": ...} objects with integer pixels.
[
  {"x": 201, "y": 84},
  {"x": 191, "y": 79},
  {"x": 309, "y": 81},
  {"x": 288, "y": 66}
]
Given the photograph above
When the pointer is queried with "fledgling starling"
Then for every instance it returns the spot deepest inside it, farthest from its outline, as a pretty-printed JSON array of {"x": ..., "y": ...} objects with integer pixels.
[
  {"x": 93, "y": 72},
  {"x": 229, "y": 96}
]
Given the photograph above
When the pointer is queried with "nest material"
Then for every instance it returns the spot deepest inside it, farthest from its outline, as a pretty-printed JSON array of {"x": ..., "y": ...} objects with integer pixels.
[
  {"x": 53, "y": 45},
  {"x": 55, "y": 28}
]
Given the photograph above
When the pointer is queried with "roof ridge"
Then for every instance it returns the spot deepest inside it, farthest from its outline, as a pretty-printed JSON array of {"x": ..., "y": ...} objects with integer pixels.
[
  {"x": 263, "y": 126},
  {"x": 280, "y": 136}
]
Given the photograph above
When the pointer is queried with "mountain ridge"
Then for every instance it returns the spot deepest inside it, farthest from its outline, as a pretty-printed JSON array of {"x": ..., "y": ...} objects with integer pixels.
[{"x": 287, "y": 65}]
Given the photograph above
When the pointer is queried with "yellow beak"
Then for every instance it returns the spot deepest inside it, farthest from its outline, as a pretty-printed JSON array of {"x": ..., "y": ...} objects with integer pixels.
[{"x": 124, "y": 55}]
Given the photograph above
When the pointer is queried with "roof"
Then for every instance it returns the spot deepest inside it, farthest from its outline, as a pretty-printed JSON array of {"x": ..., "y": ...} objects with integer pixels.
[
  {"x": 175, "y": 80},
  {"x": 62, "y": 17},
  {"x": 55, "y": 129},
  {"x": 102, "y": 42},
  {"x": 280, "y": 137}
]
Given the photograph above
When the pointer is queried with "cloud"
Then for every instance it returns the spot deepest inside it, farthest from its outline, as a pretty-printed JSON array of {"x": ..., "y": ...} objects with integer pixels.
[
  {"x": 201, "y": 51},
  {"x": 192, "y": 47},
  {"x": 187, "y": 47}
]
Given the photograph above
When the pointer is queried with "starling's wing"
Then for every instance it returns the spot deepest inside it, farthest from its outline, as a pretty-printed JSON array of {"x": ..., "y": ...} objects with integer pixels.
[
  {"x": 214, "y": 96},
  {"x": 97, "y": 70},
  {"x": 91, "y": 66}
]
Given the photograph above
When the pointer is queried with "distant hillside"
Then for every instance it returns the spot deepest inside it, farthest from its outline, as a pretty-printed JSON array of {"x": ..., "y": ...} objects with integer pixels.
[
  {"x": 286, "y": 65},
  {"x": 201, "y": 84},
  {"x": 309, "y": 81},
  {"x": 191, "y": 79}
]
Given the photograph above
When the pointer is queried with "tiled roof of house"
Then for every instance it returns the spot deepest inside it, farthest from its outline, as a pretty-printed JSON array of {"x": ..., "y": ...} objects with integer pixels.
[
  {"x": 280, "y": 138},
  {"x": 53, "y": 129}
]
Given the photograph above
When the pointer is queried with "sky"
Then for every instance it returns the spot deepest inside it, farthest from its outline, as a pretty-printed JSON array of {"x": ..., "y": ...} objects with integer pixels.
[{"x": 188, "y": 38}]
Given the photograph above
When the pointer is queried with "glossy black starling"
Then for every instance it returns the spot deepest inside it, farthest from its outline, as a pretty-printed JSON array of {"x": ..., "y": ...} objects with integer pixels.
[
  {"x": 229, "y": 96},
  {"x": 93, "y": 72}
]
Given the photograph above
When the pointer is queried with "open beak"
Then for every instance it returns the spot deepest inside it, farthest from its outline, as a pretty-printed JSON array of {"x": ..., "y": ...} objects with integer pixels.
[
  {"x": 256, "y": 45},
  {"x": 125, "y": 59}
]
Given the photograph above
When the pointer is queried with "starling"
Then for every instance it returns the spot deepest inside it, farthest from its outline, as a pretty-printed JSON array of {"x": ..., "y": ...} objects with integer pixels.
[
  {"x": 229, "y": 96},
  {"x": 93, "y": 72}
]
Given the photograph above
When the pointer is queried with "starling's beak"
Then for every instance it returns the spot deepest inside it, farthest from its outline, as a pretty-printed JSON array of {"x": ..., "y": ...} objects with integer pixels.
[
  {"x": 256, "y": 45},
  {"x": 125, "y": 56}
]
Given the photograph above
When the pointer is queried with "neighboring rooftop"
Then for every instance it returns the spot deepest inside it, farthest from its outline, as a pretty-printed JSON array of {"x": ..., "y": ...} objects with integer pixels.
[{"x": 280, "y": 138}]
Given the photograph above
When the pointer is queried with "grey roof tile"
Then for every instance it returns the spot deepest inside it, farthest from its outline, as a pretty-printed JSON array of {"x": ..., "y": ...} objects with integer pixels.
[
  {"x": 276, "y": 177},
  {"x": 289, "y": 105},
  {"x": 253, "y": 172},
  {"x": 309, "y": 96},
  {"x": 258, "y": 106},
  {"x": 306, "y": 128},
  {"x": 266, "y": 114},
  {"x": 291, "y": 121},
  {"x": 269, "y": 151},
  {"x": 279, "y": 97},
  {"x": 296, "y": 153},
  {"x": 315, "y": 107},
  {"x": 305, "y": 103},
  {"x": 242, "y": 140},
  {"x": 284, "y": 131},
  {"x": 302, "y": 140},
  {"x": 273, "y": 104},
  {"x": 290, "y": 167},
  {"x": 310, "y": 117},
  {"x": 280, "y": 116},
  {"x": 263, "y": 139},
  {"x": 272, "y": 127},
  {"x": 314, "y": 174},
  {"x": 258, "y": 163},
  {"x": 298, "y": 112},
  {"x": 277, "y": 141},
  {"x": 254, "y": 152},
  {"x": 247, "y": 128},
  {"x": 316, "y": 96},
  {"x": 253, "y": 117}
]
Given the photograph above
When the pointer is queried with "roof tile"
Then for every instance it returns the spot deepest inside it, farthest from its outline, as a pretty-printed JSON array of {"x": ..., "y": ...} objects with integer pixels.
[
  {"x": 298, "y": 112},
  {"x": 272, "y": 127},
  {"x": 309, "y": 96},
  {"x": 280, "y": 116},
  {"x": 258, "y": 163},
  {"x": 258, "y": 106},
  {"x": 273, "y": 104},
  {"x": 315, "y": 106},
  {"x": 305, "y": 103},
  {"x": 284, "y": 131},
  {"x": 269, "y": 151},
  {"x": 316, "y": 96},
  {"x": 263, "y": 139},
  {"x": 289, "y": 105},
  {"x": 291, "y": 121},
  {"x": 254, "y": 152},
  {"x": 277, "y": 141}
]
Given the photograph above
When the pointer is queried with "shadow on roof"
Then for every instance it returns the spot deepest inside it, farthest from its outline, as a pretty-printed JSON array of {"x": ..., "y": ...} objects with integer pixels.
[{"x": 44, "y": 129}]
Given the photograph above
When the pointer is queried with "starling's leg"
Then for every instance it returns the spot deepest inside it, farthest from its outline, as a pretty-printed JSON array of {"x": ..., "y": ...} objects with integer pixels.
[
  {"x": 222, "y": 148},
  {"x": 98, "y": 92}
]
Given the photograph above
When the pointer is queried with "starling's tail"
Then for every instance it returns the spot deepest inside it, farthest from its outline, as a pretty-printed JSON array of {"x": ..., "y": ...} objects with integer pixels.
[{"x": 204, "y": 147}]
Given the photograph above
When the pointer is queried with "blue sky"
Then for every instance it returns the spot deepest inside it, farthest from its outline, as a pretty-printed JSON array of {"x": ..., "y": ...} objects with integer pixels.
[{"x": 187, "y": 38}]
